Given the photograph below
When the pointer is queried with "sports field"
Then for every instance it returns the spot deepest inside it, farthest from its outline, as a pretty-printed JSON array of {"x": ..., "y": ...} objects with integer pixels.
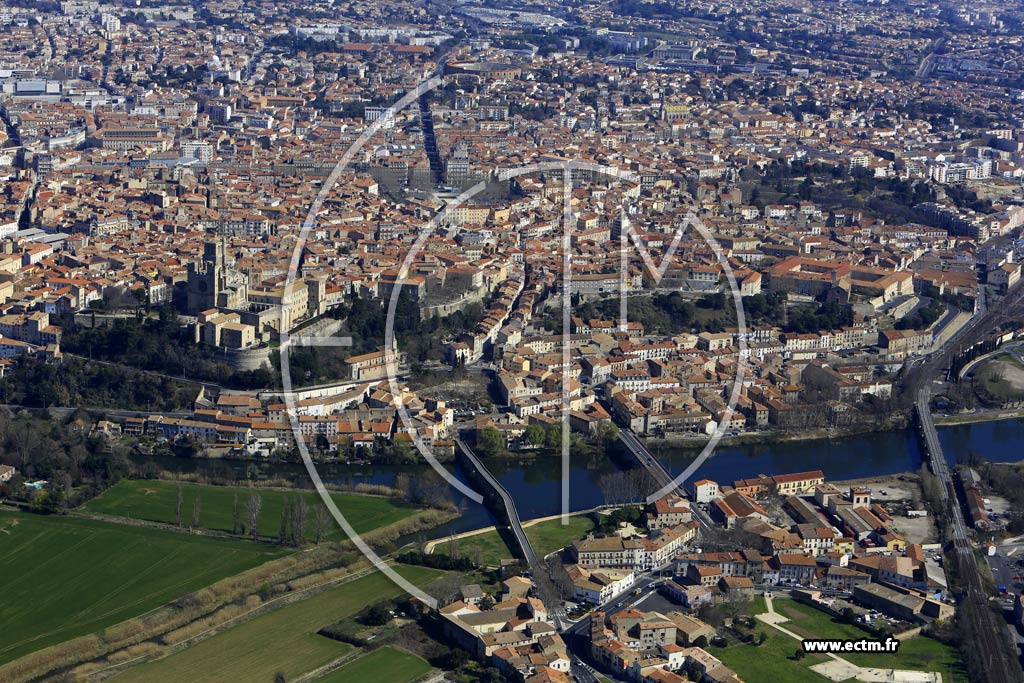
[
  {"x": 65, "y": 577},
  {"x": 386, "y": 665},
  {"x": 157, "y": 500},
  {"x": 283, "y": 641}
]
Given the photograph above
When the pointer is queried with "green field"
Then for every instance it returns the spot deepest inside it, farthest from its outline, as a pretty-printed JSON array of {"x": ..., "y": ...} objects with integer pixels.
[
  {"x": 771, "y": 661},
  {"x": 156, "y": 501},
  {"x": 284, "y": 640},
  {"x": 386, "y": 665},
  {"x": 774, "y": 660},
  {"x": 65, "y": 577},
  {"x": 545, "y": 537},
  {"x": 920, "y": 653}
]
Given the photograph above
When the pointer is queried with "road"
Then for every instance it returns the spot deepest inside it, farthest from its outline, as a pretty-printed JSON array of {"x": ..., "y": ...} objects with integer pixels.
[
  {"x": 657, "y": 470},
  {"x": 925, "y": 67},
  {"x": 510, "y": 507},
  {"x": 1013, "y": 348},
  {"x": 577, "y": 636},
  {"x": 108, "y": 413},
  {"x": 539, "y": 570}
]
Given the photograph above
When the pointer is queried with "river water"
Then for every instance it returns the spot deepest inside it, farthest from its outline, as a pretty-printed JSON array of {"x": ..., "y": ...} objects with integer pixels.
[{"x": 536, "y": 483}]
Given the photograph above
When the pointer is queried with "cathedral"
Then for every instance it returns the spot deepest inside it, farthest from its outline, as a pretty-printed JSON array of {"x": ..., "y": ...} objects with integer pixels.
[{"x": 211, "y": 284}]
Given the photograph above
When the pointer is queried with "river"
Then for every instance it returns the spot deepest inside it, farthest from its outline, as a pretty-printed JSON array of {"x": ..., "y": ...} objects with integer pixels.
[{"x": 536, "y": 483}]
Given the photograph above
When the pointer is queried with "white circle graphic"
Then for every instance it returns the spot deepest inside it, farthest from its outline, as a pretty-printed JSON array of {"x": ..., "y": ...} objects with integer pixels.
[{"x": 565, "y": 167}]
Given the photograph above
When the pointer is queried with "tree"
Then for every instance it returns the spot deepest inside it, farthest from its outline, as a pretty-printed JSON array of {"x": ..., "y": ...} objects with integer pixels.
[
  {"x": 300, "y": 510},
  {"x": 195, "y": 511},
  {"x": 490, "y": 441},
  {"x": 253, "y": 507},
  {"x": 799, "y": 654},
  {"x": 608, "y": 432},
  {"x": 177, "y": 507},
  {"x": 402, "y": 486},
  {"x": 454, "y": 659},
  {"x": 282, "y": 533},
  {"x": 534, "y": 434},
  {"x": 553, "y": 436},
  {"x": 376, "y": 615},
  {"x": 321, "y": 518},
  {"x": 453, "y": 546},
  {"x": 235, "y": 520}
]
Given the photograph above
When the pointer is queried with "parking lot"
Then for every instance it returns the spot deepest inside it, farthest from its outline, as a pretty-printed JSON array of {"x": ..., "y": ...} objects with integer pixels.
[{"x": 1006, "y": 566}]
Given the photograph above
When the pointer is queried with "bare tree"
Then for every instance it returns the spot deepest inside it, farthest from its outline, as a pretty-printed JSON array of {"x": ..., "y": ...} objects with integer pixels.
[
  {"x": 253, "y": 507},
  {"x": 282, "y": 533},
  {"x": 563, "y": 584},
  {"x": 195, "y": 511},
  {"x": 453, "y": 547},
  {"x": 321, "y": 518},
  {"x": 177, "y": 507},
  {"x": 234, "y": 514},
  {"x": 432, "y": 490},
  {"x": 300, "y": 510},
  {"x": 403, "y": 486},
  {"x": 65, "y": 480}
]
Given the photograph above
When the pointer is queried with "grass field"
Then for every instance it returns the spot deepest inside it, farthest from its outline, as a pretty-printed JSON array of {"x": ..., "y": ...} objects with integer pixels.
[
  {"x": 773, "y": 660},
  {"x": 770, "y": 661},
  {"x": 156, "y": 501},
  {"x": 65, "y": 577},
  {"x": 284, "y": 640},
  {"x": 386, "y": 665},
  {"x": 545, "y": 537},
  {"x": 920, "y": 653}
]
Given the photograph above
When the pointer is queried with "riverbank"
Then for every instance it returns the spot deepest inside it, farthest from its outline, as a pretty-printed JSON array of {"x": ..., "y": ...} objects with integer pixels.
[
  {"x": 771, "y": 436},
  {"x": 977, "y": 417}
]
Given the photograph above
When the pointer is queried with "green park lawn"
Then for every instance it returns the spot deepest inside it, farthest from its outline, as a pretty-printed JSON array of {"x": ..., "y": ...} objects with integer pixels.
[
  {"x": 283, "y": 641},
  {"x": 386, "y": 665},
  {"x": 919, "y": 653},
  {"x": 770, "y": 661},
  {"x": 65, "y": 577},
  {"x": 774, "y": 659},
  {"x": 156, "y": 501},
  {"x": 545, "y": 537}
]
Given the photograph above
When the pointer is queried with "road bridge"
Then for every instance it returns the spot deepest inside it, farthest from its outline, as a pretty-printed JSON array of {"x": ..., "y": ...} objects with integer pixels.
[
  {"x": 657, "y": 470},
  {"x": 539, "y": 571},
  {"x": 508, "y": 505}
]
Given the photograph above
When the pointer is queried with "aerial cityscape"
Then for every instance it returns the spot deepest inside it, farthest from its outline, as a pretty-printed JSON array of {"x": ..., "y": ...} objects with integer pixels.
[{"x": 405, "y": 341}]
